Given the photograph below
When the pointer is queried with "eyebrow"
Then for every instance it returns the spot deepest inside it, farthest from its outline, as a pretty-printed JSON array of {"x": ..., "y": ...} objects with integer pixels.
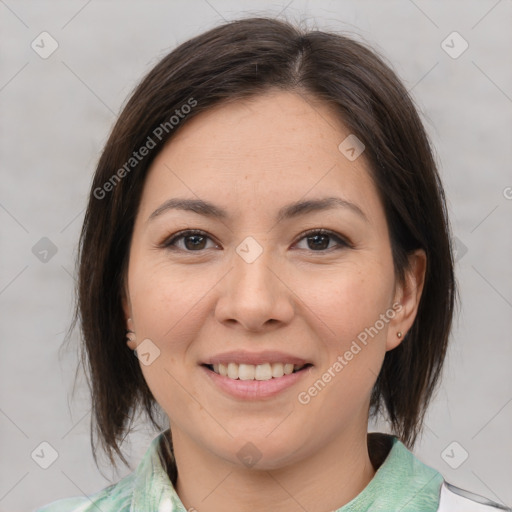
[{"x": 289, "y": 211}]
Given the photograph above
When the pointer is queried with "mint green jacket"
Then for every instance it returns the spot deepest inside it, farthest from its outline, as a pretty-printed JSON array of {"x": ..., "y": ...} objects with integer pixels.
[{"x": 401, "y": 483}]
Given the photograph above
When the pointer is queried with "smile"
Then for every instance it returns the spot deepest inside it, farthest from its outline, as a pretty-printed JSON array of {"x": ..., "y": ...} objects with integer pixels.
[
  {"x": 243, "y": 384},
  {"x": 265, "y": 371}
]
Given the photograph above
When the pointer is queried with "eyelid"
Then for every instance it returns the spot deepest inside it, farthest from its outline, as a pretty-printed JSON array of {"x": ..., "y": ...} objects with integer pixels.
[
  {"x": 342, "y": 241},
  {"x": 167, "y": 242}
]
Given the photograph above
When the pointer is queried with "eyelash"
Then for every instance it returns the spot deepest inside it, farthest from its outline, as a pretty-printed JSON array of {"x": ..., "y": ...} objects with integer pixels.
[{"x": 342, "y": 243}]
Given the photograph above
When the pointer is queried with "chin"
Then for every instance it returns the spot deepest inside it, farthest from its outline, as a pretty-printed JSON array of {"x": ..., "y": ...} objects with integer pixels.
[{"x": 258, "y": 452}]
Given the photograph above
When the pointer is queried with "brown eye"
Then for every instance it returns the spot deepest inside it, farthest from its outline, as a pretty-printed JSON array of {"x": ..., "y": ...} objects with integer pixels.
[
  {"x": 193, "y": 241},
  {"x": 318, "y": 240}
]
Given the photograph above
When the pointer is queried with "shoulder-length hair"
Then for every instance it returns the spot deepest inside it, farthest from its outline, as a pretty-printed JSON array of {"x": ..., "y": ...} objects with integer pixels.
[{"x": 236, "y": 60}]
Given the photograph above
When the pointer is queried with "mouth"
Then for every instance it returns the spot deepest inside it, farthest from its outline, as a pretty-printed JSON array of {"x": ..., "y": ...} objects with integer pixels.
[{"x": 259, "y": 372}]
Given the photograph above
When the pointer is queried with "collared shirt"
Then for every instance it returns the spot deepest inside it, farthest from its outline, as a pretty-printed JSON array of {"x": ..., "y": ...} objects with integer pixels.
[{"x": 402, "y": 483}]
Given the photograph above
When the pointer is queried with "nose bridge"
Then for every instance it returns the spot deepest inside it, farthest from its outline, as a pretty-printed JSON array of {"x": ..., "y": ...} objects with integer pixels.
[
  {"x": 254, "y": 294},
  {"x": 253, "y": 262}
]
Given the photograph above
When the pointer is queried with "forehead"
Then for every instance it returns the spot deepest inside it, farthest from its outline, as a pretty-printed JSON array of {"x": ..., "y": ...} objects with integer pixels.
[
  {"x": 279, "y": 145},
  {"x": 279, "y": 123}
]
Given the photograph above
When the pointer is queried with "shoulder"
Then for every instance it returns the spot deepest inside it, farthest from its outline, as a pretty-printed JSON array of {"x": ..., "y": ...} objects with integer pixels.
[
  {"x": 454, "y": 499},
  {"x": 402, "y": 476},
  {"x": 143, "y": 489},
  {"x": 68, "y": 504},
  {"x": 116, "y": 497}
]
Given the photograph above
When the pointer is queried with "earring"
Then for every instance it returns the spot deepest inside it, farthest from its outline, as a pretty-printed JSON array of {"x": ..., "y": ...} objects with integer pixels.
[
  {"x": 130, "y": 339},
  {"x": 399, "y": 334},
  {"x": 130, "y": 335}
]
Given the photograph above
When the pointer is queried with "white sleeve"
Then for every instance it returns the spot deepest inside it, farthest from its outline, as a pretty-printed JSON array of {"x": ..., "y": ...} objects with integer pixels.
[{"x": 454, "y": 499}]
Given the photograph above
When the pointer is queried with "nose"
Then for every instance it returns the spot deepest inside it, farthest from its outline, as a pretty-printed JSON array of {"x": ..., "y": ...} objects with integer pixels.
[{"x": 255, "y": 295}]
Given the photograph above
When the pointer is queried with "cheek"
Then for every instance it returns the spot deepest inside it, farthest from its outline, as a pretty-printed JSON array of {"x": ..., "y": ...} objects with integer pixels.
[
  {"x": 347, "y": 312},
  {"x": 165, "y": 305},
  {"x": 348, "y": 301},
  {"x": 165, "y": 301}
]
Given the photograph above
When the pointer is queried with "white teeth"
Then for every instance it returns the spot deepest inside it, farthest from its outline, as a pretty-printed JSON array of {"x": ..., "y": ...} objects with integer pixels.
[
  {"x": 233, "y": 371},
  {"x": 277, "y": 370},
  {"x": 246, "y": 371},
  {"x": 265, "y": 371},
  {"x": 288, "y": 368}
]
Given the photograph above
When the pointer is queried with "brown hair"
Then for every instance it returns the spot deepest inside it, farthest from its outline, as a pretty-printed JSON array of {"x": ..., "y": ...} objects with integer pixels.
[{"x": 240, "y": 59}]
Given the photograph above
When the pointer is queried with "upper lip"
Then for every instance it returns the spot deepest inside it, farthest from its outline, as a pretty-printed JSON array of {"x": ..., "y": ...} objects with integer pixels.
[{"x": 255, "y": 358}]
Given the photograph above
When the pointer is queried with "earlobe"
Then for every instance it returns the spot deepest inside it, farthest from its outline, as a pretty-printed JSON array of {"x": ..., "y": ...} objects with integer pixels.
[
  {"x": 408, "y": 295},
  {"x": 130, "y": 335},
  {"x": 394, "y": 339}
]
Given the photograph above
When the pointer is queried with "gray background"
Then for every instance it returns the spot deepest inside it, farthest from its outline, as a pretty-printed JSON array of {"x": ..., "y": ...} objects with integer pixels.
[{"x": 55, "y": 116}]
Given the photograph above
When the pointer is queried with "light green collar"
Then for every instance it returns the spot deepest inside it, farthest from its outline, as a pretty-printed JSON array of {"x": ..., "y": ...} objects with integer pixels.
[{"x": 402, "y": 483}]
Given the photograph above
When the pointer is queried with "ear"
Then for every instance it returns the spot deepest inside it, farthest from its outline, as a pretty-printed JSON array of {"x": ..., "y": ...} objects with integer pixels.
[
  {"x": 125, "y": 300},
  {"x": 127, "y": 309},
  {"x": 408, "y": 295}
]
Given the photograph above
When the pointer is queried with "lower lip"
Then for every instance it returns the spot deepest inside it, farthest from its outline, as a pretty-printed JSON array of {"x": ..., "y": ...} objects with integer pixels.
[{"x": 254, "y": 389}]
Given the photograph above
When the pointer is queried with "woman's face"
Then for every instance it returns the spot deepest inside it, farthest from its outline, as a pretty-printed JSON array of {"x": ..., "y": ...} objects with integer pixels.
[{"x": 253, "y": 288}]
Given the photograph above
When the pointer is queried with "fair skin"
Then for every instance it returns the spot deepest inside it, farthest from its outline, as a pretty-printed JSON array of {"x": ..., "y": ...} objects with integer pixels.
[{"x": 310, "y": 299}]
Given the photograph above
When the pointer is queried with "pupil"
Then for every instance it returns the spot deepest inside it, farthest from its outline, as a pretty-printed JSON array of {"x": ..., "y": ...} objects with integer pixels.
[
  {"x": 194, "y": 245},
  {"x": 321, "y": 246},
  {"x": 318, "y": 244}
]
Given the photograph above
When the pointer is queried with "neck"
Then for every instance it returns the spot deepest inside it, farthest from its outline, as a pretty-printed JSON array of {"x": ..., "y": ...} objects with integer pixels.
[{"x": 326, "y": 480}]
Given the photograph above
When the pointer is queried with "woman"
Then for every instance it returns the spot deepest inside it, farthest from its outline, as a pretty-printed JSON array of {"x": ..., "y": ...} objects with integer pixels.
[{"x": 267, "y": 232}]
